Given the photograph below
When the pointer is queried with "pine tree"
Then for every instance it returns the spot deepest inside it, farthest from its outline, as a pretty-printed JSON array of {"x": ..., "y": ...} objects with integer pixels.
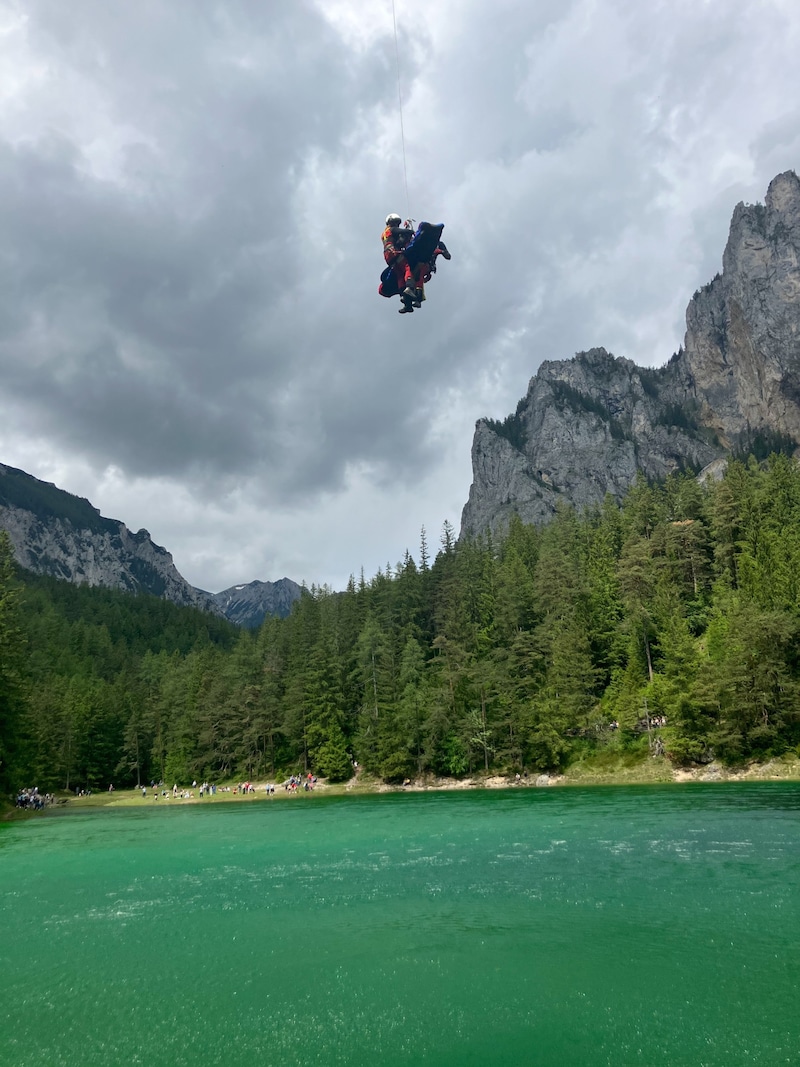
[
  {"x": 12, "y": 682},
  {"x": 375, "y": 673}
]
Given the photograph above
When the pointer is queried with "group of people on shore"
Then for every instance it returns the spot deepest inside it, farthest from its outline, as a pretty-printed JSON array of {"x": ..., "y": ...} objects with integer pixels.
[
  {"x": 297, "y": 781},
  {"x": 158, "y": 790},
  {"x": 33, "y": 800},
  {"x": 209, "y": 789}
]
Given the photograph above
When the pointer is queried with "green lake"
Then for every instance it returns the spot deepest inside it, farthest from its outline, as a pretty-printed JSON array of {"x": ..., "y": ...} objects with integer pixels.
[{"x": 614, "y": 926}]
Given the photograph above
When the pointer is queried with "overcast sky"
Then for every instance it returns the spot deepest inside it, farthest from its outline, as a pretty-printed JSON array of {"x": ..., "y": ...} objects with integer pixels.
[{"x": 191, "y": 200}]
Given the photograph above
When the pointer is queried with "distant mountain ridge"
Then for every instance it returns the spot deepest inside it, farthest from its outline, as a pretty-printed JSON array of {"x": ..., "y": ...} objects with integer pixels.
[
  {"x": 588, "y": 425},
  {"x": 248, "y": 605},
  {"x": 56, "y": 533}
]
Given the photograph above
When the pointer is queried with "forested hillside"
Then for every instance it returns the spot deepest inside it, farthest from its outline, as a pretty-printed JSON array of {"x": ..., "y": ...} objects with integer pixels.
[{"x": 668, "y": 623}]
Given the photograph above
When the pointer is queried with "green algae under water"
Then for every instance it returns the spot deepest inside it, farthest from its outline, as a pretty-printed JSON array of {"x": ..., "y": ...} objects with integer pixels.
[{"x": 656, "y": 925}]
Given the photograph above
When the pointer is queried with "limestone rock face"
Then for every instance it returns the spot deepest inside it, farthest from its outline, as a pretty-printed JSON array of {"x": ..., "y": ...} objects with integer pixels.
[
  {"x": 584, "y": 429},
  {"x": 741, "y": 357},
  {"x": 588, "y": 425},
  {"x": 55, "y": 533}
]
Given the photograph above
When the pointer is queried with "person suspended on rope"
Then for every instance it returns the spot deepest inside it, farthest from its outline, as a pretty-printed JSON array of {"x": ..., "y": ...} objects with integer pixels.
[
  {"x": 428, "y": 248},
  {"x": 395, "y": 238},
  {"x": 411, "y": 260}
]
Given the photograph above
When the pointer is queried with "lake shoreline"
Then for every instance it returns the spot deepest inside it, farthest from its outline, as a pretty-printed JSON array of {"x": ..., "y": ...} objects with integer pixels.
[
  {"x": 657, "y": 771},
  {"x": 647, "y": 772}
]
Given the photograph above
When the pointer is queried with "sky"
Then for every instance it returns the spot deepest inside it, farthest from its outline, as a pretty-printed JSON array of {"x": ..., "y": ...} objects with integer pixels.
[{"x": 191, "y": 200}]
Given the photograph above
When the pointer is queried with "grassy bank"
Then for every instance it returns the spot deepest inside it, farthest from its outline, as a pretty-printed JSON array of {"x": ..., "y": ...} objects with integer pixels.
[
  {"x": 605, "y": 769},
  {"x": 626, "y": 768}
]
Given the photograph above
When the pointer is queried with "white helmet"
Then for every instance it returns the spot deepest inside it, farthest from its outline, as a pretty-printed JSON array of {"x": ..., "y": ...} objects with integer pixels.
[{"x": 393, "y": 220}]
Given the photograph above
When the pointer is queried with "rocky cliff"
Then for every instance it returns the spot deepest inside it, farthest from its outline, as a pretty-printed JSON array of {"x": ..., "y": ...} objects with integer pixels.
[
  {"x": 741, "y": 356},
  {"x": 55, "y": 533},
  {"x": 587, "y": 425}
]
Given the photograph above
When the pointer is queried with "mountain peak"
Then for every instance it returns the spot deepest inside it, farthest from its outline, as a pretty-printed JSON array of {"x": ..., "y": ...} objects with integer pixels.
[
  {"x": 783, "y": 193},
  {"x": 248, "y": 605}
]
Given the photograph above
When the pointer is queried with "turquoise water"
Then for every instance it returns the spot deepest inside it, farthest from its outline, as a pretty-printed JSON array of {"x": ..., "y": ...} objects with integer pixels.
[{"x": 616, "y": 926}]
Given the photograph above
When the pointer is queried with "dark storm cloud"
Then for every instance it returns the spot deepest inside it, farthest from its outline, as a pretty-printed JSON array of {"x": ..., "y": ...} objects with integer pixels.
[
  {"x": 190, "y": 200},
  {"x": 164, "y": 304}
]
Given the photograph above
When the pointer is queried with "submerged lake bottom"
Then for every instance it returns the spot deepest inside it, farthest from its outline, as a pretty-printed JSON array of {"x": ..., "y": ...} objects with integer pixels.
[{"x": 613, "y": 926}]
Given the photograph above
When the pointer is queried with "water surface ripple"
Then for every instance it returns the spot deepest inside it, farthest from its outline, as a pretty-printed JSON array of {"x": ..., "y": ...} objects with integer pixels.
[{"x": 613, "y": 926}]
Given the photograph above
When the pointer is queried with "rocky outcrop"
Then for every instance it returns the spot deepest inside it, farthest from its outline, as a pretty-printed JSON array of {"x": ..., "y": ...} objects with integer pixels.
[
  {"x": 588, "y": 425},
  {"x": 55, "y": 533},
  {"x": 585, "y": 428},
  {"x": 741, "y": 357},
  {"x": 248, "y": 605}
]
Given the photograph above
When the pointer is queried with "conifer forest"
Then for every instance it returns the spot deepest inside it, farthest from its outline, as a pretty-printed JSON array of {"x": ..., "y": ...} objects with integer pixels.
[{"x": 667, "y": 624}]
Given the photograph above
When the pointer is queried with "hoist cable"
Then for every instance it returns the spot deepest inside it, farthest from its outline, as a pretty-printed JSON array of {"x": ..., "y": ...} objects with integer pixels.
[{"x": 400, "y": 102}]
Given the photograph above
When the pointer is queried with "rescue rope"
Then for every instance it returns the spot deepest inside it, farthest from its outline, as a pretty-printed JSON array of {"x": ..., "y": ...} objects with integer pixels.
[{"x": 400, "y": 102}]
